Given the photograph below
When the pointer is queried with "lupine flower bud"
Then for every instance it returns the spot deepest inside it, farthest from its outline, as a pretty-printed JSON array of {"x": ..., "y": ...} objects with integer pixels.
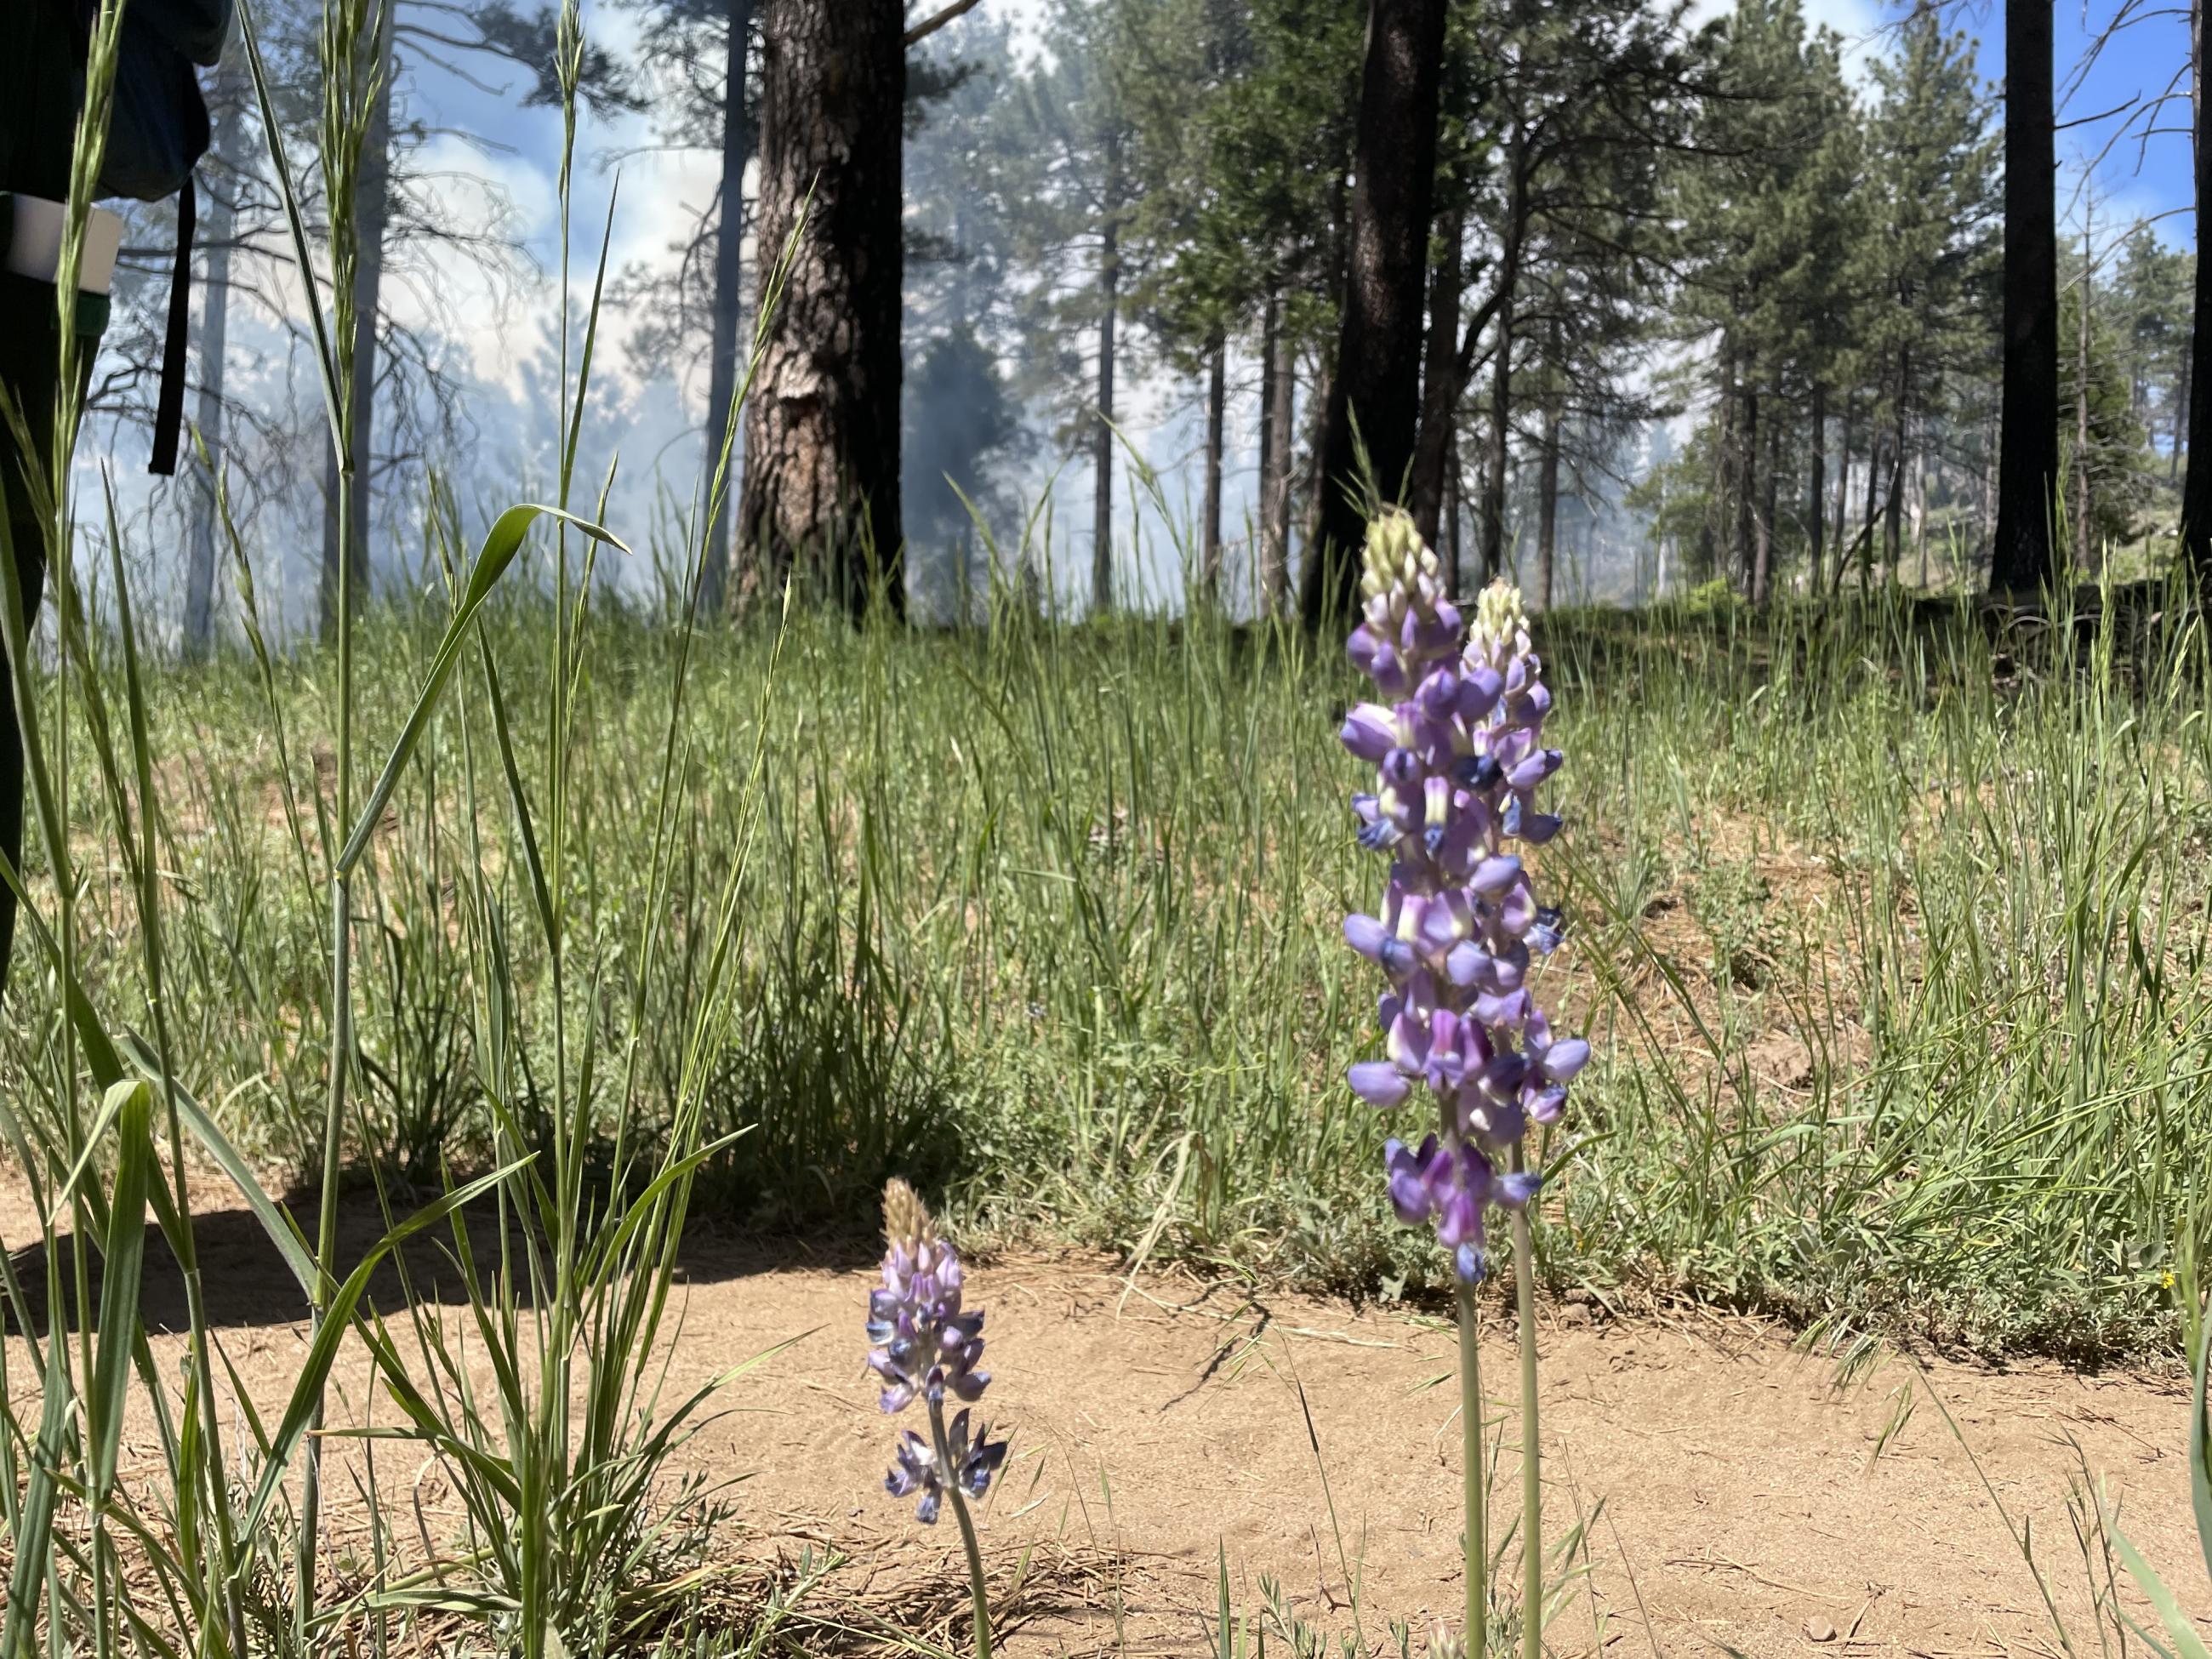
[
  {"x": 1456, "y": 738},
  {"x": 924, "y": 1345}
]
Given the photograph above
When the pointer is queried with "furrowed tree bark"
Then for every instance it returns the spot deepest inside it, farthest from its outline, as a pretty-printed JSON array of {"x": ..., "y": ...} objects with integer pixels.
[
  {"x": 1217, "y": 414},
  {"x": 1440, "y": 379},
  {"x": 1102, "y": 441},
  {"x": 821, "y": 425},
  {"x": 1377, "y": 382},
  {"x": 372, "y": 213},
  {"x": 230, "y": 98},
  {"x": 2028, "y": 456},
  {"x": 729, "y": 299},
  {"x": 2196, "y": 478}
]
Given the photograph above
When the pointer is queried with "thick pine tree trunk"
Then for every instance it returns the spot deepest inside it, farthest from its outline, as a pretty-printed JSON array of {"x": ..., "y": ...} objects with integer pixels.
[
  {"x": 372, "y": 213},
  {"x": 1440, "y": 386},
  {"x": 2028, "y": 462},
  {"x": 1378, "y": 380},
  {"x": 1816, "y": 492},
  {"x": 2196, "y": 478},
  {"x": 1102, "y": 441},
  {"x": 821, "y": 425},
  {"x": 221, "y": 186},
  {"x": 721, "y": 457},
  {"x": 1217, "y": 415}
]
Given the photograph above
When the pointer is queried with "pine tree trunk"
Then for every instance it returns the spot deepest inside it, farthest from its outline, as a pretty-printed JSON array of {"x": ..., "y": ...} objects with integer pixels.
[
  {"x": 821, "y": 425},
  {"x": 1816, "y": 494},
  {"x": 1501, "y": 428},
  {"x": 2027, "y": 463},
  {"x": 229, "y": 96},
  {"x": 1440, "y": 386},
  {"x": 723, "y": 376},
  {"x": 1376, "y": 383},
  {"x": 1547, "y": 498},
  {"x": 2196, "y": 478},
  {"x": 1102, "y": 441},
  {"x": 372, "y": 213}
]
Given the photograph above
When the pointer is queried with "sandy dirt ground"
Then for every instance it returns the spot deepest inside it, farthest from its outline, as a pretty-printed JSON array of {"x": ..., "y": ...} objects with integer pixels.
[{"x": 1742, "y": 1497}]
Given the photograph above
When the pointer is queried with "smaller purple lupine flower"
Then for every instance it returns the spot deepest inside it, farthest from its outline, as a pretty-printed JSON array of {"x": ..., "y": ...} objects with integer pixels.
[
  {"x": 926, "y": 1345},
  {"x": 974, "y": 1463}
]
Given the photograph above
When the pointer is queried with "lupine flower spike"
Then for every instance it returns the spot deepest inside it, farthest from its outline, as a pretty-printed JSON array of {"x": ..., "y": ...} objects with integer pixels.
[
  {"x": 924, "y": 1345},
  {"x": 1456, "y": 736}
]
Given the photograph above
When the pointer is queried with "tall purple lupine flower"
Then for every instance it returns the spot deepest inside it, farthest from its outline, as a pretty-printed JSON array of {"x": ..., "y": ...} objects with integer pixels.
[
  {"x": 1457, "y": 739},
  {"x": 924, "y": 1345}
]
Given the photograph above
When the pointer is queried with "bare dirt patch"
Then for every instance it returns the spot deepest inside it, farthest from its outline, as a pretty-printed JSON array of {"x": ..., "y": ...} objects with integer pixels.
[{"x": 1746, "y": 1499}]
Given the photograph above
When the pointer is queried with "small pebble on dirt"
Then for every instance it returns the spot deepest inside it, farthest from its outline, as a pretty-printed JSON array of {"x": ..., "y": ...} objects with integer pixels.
[{"x": 1818, "y": 1629}]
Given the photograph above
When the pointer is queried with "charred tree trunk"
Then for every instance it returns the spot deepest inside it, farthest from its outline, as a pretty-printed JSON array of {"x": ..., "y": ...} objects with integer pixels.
[
  {"x": 372, "y": 212},
  {"x": 2028, "y": 462},
  {"x": 1816, "y": 492},
  {"x": 729, "y": 289},
  {"x": 1377, "y": 384},
  {"x": 821, "y": 425},
  {"x": 2196, "y": 478},
  {"x": 1452, "y": 551},
  {"x": 1440, "y": 382},
  {"x": 1101, "y": 442},
  {"x": 230, "y": 94},
  {"x": 1217, "y": 414}
]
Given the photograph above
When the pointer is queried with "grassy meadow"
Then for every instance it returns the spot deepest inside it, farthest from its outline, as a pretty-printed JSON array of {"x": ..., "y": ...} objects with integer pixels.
[{"x": 1892, "y": 943}]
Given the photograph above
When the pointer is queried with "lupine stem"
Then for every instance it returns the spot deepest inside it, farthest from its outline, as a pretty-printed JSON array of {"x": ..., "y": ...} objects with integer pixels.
[
  {"x": 1470, "y": 1428},
  {"x": 951, "y": 1476},
  {"x": 1532, "y": 1474}
]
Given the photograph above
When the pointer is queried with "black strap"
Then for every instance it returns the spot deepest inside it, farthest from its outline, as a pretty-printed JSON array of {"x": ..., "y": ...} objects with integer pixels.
[{"x": 169, "y": 413}]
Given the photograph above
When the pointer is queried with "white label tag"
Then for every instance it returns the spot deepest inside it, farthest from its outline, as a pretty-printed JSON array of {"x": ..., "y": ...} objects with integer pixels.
[{"x": 36, "y": 251}]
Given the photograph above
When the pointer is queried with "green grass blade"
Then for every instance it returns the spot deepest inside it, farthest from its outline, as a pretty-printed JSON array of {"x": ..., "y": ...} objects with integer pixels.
[{"x": 501, "y": 544}]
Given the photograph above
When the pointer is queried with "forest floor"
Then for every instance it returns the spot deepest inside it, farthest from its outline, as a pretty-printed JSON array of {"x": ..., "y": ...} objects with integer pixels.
[{"x": 1746, "y": 1496}]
